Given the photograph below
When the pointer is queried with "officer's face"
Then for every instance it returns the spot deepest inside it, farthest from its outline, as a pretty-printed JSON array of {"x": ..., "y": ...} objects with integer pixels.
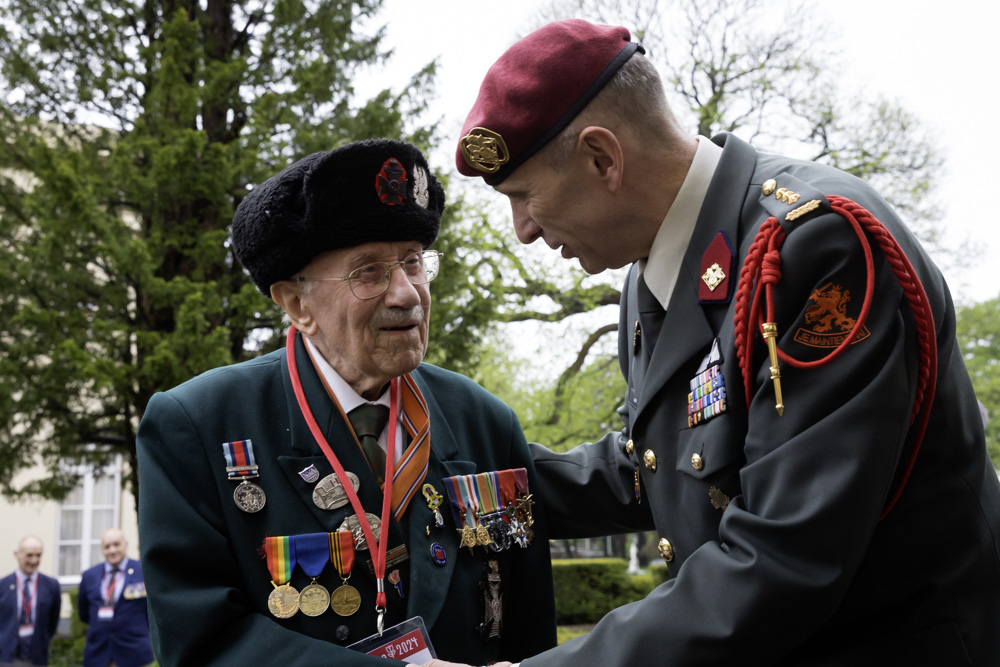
[
  {"x": 29, "y": 555},
  {"x": 367, "y": 341},
  {"x": 568, "y": 211}
]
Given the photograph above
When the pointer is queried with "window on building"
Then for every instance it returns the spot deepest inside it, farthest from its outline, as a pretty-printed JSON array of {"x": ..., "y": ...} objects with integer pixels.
[{"x": 89, "y": 509}]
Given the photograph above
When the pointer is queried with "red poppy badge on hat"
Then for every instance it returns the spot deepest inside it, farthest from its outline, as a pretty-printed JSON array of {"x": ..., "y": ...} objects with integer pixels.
[{"x": 391, "y": 182}]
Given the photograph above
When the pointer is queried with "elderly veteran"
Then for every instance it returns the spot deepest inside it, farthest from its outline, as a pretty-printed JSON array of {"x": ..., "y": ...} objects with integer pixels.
[
  {"x": 799, "y": 427},
  {"x": 277, "y": 525}
]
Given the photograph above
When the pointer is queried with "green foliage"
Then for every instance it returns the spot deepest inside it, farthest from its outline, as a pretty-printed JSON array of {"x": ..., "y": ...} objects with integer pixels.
[
  {"x": 132, "y": 131},
  {"x": 978, "y": 330},
  {"x": 566, "y": 632},
  {"x": 587, "y": 589}
]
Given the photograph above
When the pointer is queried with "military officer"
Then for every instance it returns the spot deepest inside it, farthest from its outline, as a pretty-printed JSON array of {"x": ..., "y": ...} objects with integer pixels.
[
  {"x": 799, "y": 426},
  {"x": 308, "y": 507}
]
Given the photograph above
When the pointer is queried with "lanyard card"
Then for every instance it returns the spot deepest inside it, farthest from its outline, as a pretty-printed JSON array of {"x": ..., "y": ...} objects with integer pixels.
[{"x": 406, "y": 641}]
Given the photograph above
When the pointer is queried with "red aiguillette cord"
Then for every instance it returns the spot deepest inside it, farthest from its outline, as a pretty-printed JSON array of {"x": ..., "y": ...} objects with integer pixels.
[{"x": 378, "y": 552}]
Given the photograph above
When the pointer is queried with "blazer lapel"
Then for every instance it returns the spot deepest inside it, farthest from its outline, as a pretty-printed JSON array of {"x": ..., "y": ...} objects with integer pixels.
[
  {"x": 303, "y": 450},
  {"x": 429, "y": 581},
  {"x": 686, "y": 330}
]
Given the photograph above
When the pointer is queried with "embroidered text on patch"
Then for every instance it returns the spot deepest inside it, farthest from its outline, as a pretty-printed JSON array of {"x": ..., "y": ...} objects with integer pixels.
[{"x": 827, "y": 319}]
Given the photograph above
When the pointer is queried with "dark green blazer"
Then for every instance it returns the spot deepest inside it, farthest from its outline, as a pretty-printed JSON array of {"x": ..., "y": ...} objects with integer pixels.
[
  {"x": 207, "y": 580},
  {"x": 797, "y": 569}
]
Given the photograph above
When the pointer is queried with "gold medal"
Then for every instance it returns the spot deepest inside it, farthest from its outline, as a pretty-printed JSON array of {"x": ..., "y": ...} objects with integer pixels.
[
  {"x": 314, "y": 599},
  {"x": 345, "y": 600},
  {"x": 482, "y": 536},
  {"x": 468, "y": 537},
  {"x": 353, "y": 526},
  {"x": 283, "y": 600},
  {"x": 329, "y": 493},
  {"x": 249, "y": 497}
]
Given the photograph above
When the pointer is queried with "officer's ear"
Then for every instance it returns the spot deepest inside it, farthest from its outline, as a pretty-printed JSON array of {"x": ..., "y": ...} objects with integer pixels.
[
  {"x": 289, "y": 295},
  {"x": 603, "y": 155}
]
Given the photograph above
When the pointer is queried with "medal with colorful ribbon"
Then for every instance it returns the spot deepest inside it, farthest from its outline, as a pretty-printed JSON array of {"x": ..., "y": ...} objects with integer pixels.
[
  {"x": 470, "y": 494},
  {"x": 345, "y": 600},
  {"x": 461, "y": 511},
  {"x": 524, "y": 502},
  {"x": 241, "y": 467},
  {"x": 508, "y": 500},
  {"x": 490, "y": 516},
  {"x": 312, "y": 552},
  {"x": 283, "y": 600}
]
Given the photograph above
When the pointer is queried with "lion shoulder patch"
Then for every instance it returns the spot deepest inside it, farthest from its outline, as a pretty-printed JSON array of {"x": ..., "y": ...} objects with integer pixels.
[{"x": 827, "y": 322}]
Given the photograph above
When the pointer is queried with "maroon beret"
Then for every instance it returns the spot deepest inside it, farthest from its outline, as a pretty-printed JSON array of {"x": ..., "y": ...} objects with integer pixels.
[{"x": 533, "y": 92}]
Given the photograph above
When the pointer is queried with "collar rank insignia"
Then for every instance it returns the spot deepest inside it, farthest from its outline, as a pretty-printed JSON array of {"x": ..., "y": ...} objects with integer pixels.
[
  {"x": 707, "y": 398},
  {"x": 717, "y": 263}
]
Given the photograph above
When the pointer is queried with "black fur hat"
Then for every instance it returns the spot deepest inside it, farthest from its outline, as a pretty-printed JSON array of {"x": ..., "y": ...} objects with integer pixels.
[{"x": 375, "y": 190}]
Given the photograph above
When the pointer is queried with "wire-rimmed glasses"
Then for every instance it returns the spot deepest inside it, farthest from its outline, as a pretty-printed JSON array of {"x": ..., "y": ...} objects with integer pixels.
[{"x": 372, "y": 280}]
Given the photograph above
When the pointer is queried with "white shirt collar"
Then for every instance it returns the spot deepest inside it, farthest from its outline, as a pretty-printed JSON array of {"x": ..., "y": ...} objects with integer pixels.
[
  {"x": 663, "y": 265},
  {"x": 121, "y": 566},
  {"x": 346, "y": 396}
]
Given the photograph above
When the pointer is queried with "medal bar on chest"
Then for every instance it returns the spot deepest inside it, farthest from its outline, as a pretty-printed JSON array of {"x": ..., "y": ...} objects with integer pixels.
[
  {"x": 283, "y": 601},
  {"x": 461, "y": 511},
  {"x": 241, "y": 467}
]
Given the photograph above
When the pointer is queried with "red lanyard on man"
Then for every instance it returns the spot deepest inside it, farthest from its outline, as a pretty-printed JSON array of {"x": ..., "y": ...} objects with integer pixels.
[
  {"x": 28, "y": 600},
  {"x": 109, "y": 596},
  {"x": 378, "y": 552}
]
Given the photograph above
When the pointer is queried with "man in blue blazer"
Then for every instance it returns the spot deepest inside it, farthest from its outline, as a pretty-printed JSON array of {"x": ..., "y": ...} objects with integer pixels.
[
  {"x": 29, "y": 608},
  {"x": 112, "y": 600}
]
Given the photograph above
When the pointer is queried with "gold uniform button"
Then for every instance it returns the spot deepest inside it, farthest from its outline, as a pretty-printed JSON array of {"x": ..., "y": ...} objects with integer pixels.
[
  {"x": 769, "y": 186},
  {"x": 697, "y": 462},
  {"x": 649, "y": 458},
  {"x": 666, "y": 549},
  {"x": 629, "y": 447}
]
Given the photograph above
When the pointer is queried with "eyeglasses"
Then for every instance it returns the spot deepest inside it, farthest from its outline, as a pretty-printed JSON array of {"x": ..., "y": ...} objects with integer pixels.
[{"x": 372, "y": 280}]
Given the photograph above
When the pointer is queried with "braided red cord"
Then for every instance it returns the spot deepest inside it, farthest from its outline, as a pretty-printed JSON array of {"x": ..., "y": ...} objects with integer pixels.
[{"x": 762, "y": 266}]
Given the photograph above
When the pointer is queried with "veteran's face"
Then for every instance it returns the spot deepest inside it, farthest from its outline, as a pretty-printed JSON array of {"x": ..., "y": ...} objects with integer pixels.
[
  {"x": 29, "y": 555},
  {"x": 113, "y": 546},
  {"x": 367, "y": 341}
]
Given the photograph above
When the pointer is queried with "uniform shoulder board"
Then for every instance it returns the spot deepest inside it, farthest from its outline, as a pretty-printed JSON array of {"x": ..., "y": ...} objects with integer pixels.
[{"x": 791, "y": 201}]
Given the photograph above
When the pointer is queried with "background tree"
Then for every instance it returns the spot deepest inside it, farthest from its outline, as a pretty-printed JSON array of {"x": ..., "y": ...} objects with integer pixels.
[
  {"x": 979, "y": 337},
  {"x": 131, "y": 132}
]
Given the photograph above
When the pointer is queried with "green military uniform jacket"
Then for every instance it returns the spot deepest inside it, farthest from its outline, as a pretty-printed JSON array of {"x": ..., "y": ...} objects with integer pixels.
[
  {"x": 796, "y": 569},
  {"x": 207, "y": 579}
]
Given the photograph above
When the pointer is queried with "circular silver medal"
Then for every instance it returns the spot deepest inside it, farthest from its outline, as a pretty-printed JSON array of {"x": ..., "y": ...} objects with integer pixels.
[
  {"x": 249, "y": 497},
  {"x": 352, "y": 524},
  {"x": 329, "y": 493}
]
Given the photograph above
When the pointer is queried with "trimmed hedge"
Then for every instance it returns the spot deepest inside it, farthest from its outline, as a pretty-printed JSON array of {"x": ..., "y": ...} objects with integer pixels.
[{"x": 587, "y": 589}]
